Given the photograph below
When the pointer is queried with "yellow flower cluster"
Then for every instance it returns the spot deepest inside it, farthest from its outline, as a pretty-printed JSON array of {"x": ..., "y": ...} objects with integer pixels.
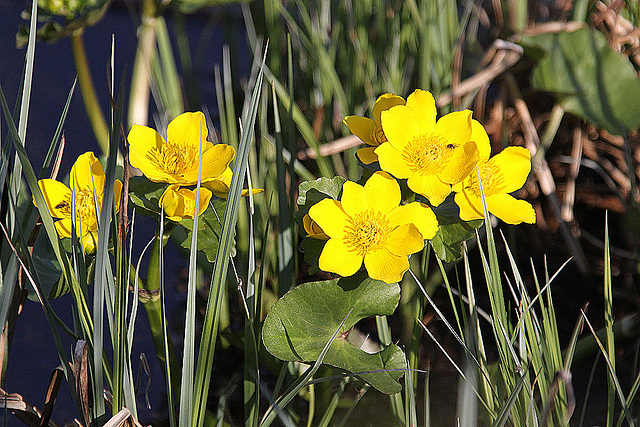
[
  {"x": 436, "y": 157},
  {"x": 176, "y": 161}
]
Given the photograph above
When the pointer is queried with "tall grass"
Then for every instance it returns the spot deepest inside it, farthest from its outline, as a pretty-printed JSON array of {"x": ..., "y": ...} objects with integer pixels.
[{"x": 513, "y": 365}]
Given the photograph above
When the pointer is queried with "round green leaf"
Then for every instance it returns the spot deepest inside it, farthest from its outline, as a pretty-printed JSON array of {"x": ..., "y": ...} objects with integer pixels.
[{"x": 302, "y": 322}]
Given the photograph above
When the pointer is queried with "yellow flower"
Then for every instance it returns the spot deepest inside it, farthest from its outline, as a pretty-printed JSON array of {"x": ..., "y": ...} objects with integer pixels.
[
  {"x": 501, "y": 174},
  {"x": 430, "y": 155},
  {"x": 313, "y": 229},
  {"x": 175, "y": 161},
  {"x": 370, "y": 131},
  {"x": 220, "y": 185},
  {"x": 87, "y": 178},
  {"x": 368, "y": 225},
  {"x": 180, "y": 203}
]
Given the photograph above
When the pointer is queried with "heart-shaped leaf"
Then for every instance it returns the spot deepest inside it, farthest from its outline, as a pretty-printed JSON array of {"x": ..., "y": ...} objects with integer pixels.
[{"x": 303, "y": 321}]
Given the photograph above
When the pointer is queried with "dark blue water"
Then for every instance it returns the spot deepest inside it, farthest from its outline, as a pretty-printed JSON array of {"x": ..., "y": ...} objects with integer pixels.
[{"x": 33, "y": 356}]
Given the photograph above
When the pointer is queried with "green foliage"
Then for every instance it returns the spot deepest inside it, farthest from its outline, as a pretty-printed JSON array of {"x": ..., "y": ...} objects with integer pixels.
[
  {"x": 592, "y": 80},
  {"x": 146, "y": 195},
  {"x": 447, "y": 242},
  {"x": 301, "y": 323}
]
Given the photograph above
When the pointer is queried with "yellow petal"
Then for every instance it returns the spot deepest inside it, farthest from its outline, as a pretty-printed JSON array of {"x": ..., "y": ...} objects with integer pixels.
[
  {"x": 63, "y": 227},
  {"x": 461, "y": 162},
  {"x": 511, "y": 210},
  {"x": 215, "y": 160},
  {"x": 366, "y": 155},
  {"x": 385, "y": 266},
  {"x": 87, "y": 173},
  {"x": 361, "y": 127},
  {"x": 382, "y": 192},
  {"x": 405, "y": 240},
  {"x": 90, "y": 242},
  {"x": 185, "y": 129},
  {"x": 424, "y": 106},
  {"x": 57, "y": 196},
  {"x": 430, "y": 187},
  {"x": 417, "y": 214},
  {"x": 384, "y": 102},
  {"x": 142, "y": 142},
  {"x": 336, "y": 258},
  {"x": 330, "y": 216},
  {"x": 313, "y": 229},
  {"x": 354, "y": 198},
  {"x": 480, "y": 137},
  {"x": 455, "y": 127},
  {"x": 400, "y": 126},
  {"x": 180, "y": 203},
  {"x": 392, "y": 161},
  {"x": 221, "y": 185},
  {"x": 514, "y": 164},
  {"x": 470, "y": 206}
]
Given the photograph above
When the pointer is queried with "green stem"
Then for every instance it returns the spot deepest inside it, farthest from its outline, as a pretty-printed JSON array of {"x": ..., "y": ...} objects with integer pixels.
[
  {"x": 139, "y": 97},
  {"x": 91, "y": 103}
]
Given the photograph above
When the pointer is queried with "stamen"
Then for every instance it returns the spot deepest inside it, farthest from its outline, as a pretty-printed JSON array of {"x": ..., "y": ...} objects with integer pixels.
[
  {"x": 427, "y": 154},
  {"x": 174, "y": 158},
  {"x": 366, "y": 232},
  {"x": 493, "y": 181}
]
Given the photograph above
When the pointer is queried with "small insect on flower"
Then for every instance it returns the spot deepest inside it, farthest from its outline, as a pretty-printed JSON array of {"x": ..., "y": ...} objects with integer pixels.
[
  {"x": 369, "y": 225},
  {"x": 88, "y": 179},
  {"x": 432, "y": 155}
]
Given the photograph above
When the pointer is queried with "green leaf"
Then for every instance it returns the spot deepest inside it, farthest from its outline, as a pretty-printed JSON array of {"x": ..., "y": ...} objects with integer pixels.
[
  {"x": 447, "y": 243},
  {"x": 312, "y": 248},
  {"x": 592, "y": 80},
  {"x": 208, "y": 230},
  {"x": 146, "y": 194},
  {"x": 311, "y": 192},
  {"x": 301, "y": 323},
  {"x": 52, "y": 283}
]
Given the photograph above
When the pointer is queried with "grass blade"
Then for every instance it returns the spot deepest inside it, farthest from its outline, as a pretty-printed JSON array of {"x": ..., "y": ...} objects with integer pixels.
[
  {"x": 188, "y": 355},
  {"x": 210, "y": 327}
]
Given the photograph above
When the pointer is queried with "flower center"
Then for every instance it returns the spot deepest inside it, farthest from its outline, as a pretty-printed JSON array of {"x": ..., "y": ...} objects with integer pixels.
[
  {"x": 86, "y": 208},
  {"x": 174, "y": 158},
  {"x": 493, "y": 181},
  {"x": 366, "y": 232},
  {"x": 377, "y": 136},
  {"x": 427, "y": 154}
]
